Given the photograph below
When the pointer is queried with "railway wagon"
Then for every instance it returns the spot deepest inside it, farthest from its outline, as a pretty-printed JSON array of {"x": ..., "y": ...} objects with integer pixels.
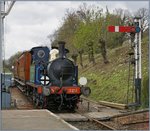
[{"x": 22, "y": 67}]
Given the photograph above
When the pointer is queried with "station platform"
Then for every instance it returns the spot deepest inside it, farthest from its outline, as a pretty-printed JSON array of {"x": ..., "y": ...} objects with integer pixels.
[{"x": 33, "y": 120}]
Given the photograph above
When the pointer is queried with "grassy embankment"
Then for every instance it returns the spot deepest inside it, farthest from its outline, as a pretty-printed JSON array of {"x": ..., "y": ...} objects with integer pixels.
[{"x": 109, "y": 82}]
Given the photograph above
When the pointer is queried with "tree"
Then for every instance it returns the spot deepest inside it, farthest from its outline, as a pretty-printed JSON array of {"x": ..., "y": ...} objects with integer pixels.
[
  {"x": 80, "y": 54},
  {"x": 66, "y": 31},
  {"x": 143, "y": 13},
  {"x": 124, "y": 16},
  {"x": 91, "y": 52},
  {"x": 89, "y": 23},
  {"x": 10, "y": 62},
  {"x": 88, "y": 14},
  {"x": 102, "y": 45},
  {"x": 74, "y": 57}
]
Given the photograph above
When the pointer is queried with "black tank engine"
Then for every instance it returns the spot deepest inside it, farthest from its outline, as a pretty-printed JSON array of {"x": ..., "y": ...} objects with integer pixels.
[{"x": 51, "y": 84}]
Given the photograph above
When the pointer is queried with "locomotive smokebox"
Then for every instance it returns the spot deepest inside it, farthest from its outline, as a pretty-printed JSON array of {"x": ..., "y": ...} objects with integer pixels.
[{"x": 62, "y": 53}]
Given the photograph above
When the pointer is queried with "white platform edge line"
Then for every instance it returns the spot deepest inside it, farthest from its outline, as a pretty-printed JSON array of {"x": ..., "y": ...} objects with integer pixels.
[{"x": 62, "y": 120}]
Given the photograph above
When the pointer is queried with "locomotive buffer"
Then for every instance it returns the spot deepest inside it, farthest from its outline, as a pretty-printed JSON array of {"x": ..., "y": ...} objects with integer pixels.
[{"x": 136, "y": 32}]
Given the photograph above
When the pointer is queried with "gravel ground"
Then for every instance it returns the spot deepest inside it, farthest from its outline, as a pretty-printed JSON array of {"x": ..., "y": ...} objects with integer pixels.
[
  {"x": 86, "y": 125},
  {"x": 19, "y": 100}
]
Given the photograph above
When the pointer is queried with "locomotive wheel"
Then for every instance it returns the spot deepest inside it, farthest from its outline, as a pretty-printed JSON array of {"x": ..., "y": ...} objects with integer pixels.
[
  {"x": 37, "y": 102},
  {"x": 33, "y": 99},
  {"x": 40, "y": 106},
  {"x": 28, "y": 94}
]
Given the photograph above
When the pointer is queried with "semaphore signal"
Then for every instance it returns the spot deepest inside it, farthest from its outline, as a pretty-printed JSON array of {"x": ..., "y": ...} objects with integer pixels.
[
  {"x": 127, "y": 29},
  {"x": 121, "y": 29},
  {"x": 135, "y": 31}
]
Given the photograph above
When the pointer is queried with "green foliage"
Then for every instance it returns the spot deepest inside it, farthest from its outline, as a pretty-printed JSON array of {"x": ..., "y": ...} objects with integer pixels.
[
  {"x": 113, "y": 39},
  {"x": 10, "y": 62},
  {"x": 110, "y": 82},
  {"x": 90, "y": 23},
  {"x": 145, "y": 92},
  {"x": 84, "y": 34},
  {"x": 94, "y": 31}
]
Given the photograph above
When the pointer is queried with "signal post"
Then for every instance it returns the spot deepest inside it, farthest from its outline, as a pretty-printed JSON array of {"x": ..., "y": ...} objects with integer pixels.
[{"x": 136, "y": 31}]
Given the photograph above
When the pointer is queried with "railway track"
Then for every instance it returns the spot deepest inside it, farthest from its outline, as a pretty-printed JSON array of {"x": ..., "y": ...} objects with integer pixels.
[
  {"x": 88, "y": 106},
  {"x": 19, "y": 100},
  {"x": 132, "y": 120},
  {"x": 104, "y": 104},
  {"x": 101, "y": 124},
  {"x": 137, "y": 120},
  {"x": 94, "y": 115},
  {"x": 118, "y": 120},
  {"x": 91, "y": 115}
]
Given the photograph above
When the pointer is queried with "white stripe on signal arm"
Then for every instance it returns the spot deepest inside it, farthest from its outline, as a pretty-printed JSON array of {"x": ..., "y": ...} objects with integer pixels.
[{"x": 116, "y": 28}]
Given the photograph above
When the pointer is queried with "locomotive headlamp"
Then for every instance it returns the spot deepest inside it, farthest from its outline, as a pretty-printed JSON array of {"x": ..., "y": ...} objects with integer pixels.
[{"x": 83, "y": 81}]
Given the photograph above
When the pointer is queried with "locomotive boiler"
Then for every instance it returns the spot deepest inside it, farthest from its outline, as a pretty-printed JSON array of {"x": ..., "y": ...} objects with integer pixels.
[{"x": 51, "y": 84}]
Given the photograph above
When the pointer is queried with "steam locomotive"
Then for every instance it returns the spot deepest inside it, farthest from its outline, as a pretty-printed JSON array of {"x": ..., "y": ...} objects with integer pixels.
[{"x": 51, "y": 84}]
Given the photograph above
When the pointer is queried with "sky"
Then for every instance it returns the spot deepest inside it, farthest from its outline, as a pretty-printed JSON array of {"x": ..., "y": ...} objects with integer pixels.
[{"x": 29, "y": 23}]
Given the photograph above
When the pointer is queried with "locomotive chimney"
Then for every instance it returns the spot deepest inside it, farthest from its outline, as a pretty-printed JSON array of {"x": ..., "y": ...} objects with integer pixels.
[{"x": 61, "y": 49}]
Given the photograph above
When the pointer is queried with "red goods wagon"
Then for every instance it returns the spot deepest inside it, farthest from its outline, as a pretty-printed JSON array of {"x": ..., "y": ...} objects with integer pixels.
[{"x": 24, "y": 66}]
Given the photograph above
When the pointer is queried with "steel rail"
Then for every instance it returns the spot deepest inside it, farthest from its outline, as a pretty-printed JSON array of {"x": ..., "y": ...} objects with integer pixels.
[
  {"x": 97, "y": 121},
  {"x": 137, "y": 122},
  {"x": 130, "y": 113},
  {"x": 107, "y": 104}
]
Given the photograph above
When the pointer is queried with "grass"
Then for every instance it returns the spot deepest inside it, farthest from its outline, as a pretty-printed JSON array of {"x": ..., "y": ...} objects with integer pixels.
[{"x": 109, "y": 82}]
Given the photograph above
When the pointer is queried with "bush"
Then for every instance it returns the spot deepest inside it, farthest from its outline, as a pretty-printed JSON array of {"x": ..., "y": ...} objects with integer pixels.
[{"x": 145, "y": 92}]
